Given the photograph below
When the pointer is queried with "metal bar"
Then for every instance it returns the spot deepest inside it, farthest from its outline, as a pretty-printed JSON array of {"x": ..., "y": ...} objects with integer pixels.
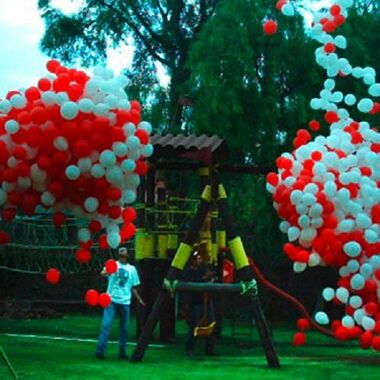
[{"x": 208, "y": 287}]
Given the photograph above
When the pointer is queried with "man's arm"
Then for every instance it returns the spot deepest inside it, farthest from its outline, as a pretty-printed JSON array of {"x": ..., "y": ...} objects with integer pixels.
[
  {"x": 104, "y": 273},
  {"x": 137, "y": 295}
]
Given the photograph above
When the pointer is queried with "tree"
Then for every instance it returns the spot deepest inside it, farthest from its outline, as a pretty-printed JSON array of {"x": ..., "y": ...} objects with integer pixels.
[
  {"x": 252, "y": 89},
  {"x": 162, "y": 31}
]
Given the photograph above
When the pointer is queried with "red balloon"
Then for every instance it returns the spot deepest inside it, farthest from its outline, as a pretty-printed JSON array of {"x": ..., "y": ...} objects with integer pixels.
[
  {"x": 24, "y": 117},
  {"x": 86, "y": 245},
  {"x": 376, "y": 343},
  {"x": 14, "y": 198},
  {"x": 272, "y": 179},
  {"x": 4, "y": 238},
  {"x": 129, "y": 214},
  {"x": 53, "y": 276},
  {"x": 8, "y": 214},
  {"x": 303, "y": 324},
  {"x": 83, "y": 255},
  {"x": 82, "y": 149},
  {"x": 142, "y": 168},
  {"x": 32, "y": 94},
  {"x": 299, "y": 339},
  {"x": 341, "y": 333},
  {"x": 104, "y": 300},
  {"x": 127, "y": 231},
  {"x": 143, "y": 136},
  {"x": 366, "y": 340},
  {"x": 135, "y": 116},
  {"x": 92, "y": 297},
  {"x": 38, "y": 115},
  {"x": 314, "y": 125},
  {"x": 335, "y": 10},
  {"x": 44, "y": 84},
  {"x": 59, "y": 219},
  {"x": 329, "y": 26},
  {"x": 95, "y": 226},
  {"x": 375, "y": 214},
  {"x": 329, "y": 47},
  {"x": 114, "y": 193},
  {"x": 52, "y": 65},
  {"x": 103, "y": 242},
  {"x": 270, "y": 27},
  {"x": 135, "y": 105},
  {"x": 280, "y": 4},
  {"x": 20, "y": 152},
  {"x": 111, "y": 266},
  {"x": 114, "y": 212}
]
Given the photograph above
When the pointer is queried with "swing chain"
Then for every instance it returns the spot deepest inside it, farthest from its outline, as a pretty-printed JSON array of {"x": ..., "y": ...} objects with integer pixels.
[
  {"x": 249, "y": 288},
  {"x": 170, "y": 286}
]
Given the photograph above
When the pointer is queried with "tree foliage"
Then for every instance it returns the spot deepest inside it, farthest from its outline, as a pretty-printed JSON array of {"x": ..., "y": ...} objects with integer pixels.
[
  {"x": 162, "y": 31},
  {"x": 248, "y": 89}
]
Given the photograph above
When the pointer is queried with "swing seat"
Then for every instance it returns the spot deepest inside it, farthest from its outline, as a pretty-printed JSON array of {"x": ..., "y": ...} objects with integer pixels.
[{"x": 205, "y": 330}]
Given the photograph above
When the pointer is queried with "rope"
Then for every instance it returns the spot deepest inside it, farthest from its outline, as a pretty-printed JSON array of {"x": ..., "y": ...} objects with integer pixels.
[
  {"x": 249, "y": 288},
  {"x": 292, "y": 299},
  {"x": 170, "y": 286},
  {"x": 8, "y": 363}
]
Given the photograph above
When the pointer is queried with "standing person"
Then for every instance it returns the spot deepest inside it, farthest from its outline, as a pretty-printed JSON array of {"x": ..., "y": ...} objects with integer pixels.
[
  {"x": 194, "y": 304},
  {"x": 121, "y": 285}
]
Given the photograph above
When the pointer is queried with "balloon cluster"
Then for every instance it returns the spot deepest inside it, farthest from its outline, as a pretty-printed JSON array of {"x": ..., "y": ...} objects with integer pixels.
[
  {"x": 74, "y": 144},
  {"x": 327, "y": 191}
]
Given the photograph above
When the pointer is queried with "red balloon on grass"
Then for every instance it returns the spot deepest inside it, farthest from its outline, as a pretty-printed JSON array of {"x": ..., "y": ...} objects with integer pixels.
[
  {"x": 111, "y": 266},
  {"x": 53, "y": 276},
  {"x": 299, "y": 339},
  {"x": 104, "y": 300},
  {"x": 92, "y": 297}
]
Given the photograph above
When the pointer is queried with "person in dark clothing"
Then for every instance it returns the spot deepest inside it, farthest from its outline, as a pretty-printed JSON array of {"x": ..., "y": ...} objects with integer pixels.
[{"x": 194, "y": 306}]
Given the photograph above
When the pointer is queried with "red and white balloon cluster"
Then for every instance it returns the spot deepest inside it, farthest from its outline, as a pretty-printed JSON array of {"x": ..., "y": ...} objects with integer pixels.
[
  {"x": 327, "y": 191},
  {"x": 74, "y": 144}
]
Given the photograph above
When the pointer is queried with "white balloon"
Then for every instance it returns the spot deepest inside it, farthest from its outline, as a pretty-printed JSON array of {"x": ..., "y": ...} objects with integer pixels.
[
  {"x": 97, "y": 171},
  {"x": 299, "y": 267},
  {"x": 107, "y": 158},
  {"x": 60, "y": 143},
  {"x": 84, "y": 235},
  {"x": 328, "y": 294},
  {"x": 18, "y": 101},
  {"x": 91, "y": 204},
  {"x": 113, "y": 239},
  {"x": 314, "y": 260},
  {"x": 120, "y": 149},
  {"x": 357, "y": 282},
  {"x": 342, "y": 294},
  {"x": 348, "y": 321},
  {"x": 355, "y": 302},
  {"x": 12, "y": 126},
  {"x": 72, "y": 172},
  {"x": 365, "y": 105},
  {"x": 47, "y": 198},
  {"x": 146, "y": 126},
  {"x": 352, "y": 249},
  {"x": 69, "y": 110},
  {"x": 368, "y": 323},
  {"x": 322, "y": 318},
  {"x": 86, "y": 105},
  {"x": 5, "y": 106}
]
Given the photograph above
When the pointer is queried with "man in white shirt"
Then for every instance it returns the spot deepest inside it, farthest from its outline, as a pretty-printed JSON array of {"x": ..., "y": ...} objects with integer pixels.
[{"x": 121, "y": 285}]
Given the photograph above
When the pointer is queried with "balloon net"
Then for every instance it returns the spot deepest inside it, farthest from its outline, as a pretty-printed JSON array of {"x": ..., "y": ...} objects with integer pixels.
[{"x": 38, "y": 245}]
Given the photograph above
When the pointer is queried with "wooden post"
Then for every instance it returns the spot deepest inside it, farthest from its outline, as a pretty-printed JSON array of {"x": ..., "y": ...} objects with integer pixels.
[
  {"x": 245, "y": 274},
  {"x": 177, "y": 265}
]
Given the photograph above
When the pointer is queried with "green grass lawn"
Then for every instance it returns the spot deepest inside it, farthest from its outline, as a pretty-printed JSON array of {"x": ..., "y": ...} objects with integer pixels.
[{"x": 241, "y": 356}]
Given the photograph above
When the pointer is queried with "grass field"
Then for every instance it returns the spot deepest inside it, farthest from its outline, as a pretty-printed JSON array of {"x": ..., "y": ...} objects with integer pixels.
[{"x": 241, "y": 355}]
